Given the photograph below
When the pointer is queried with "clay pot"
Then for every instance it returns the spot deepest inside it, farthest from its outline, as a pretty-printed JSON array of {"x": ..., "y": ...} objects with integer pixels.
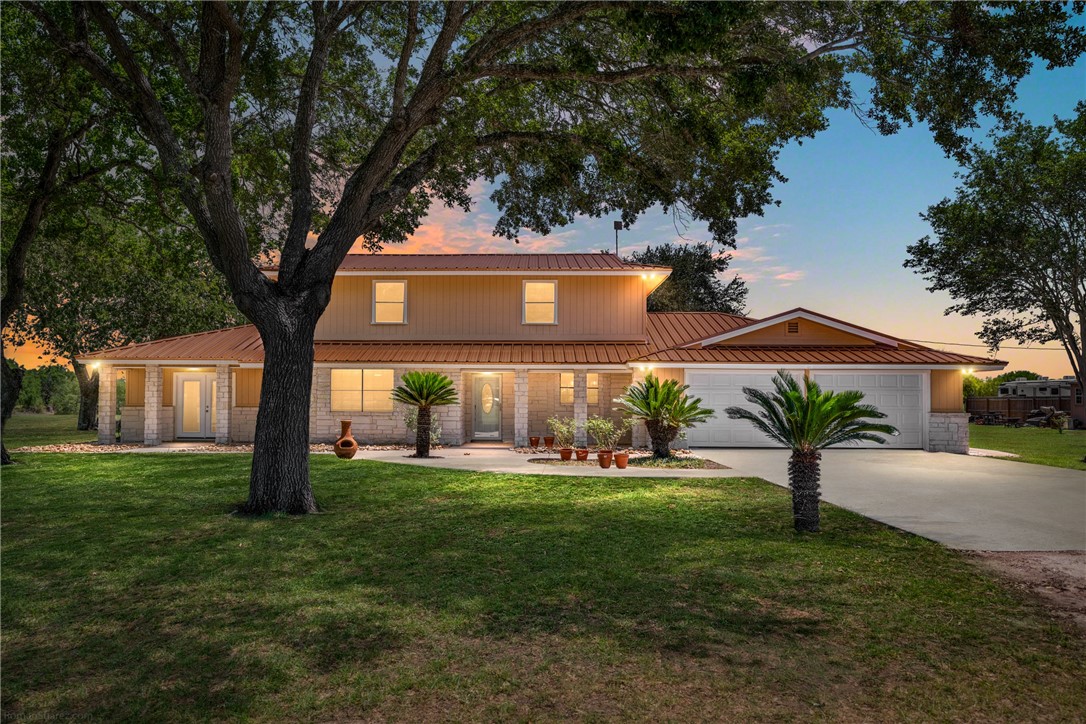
[
  {"x": 345, "y": 446},
  {"x": 582, "y": 454},
  {"x": 548, "y": 441},
  {"x": 534, "y": 441},
  {"x": 604, "y": 456},
  {"x": 566, "y": 453},
  {"x": 621, "y": 459}
]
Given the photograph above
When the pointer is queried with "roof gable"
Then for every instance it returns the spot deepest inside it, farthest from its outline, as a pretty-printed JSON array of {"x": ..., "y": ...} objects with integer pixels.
[{"x": 799, "y": 327}]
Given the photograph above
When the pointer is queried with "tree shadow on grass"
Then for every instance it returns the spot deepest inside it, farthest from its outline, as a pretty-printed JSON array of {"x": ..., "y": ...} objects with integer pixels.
[{"x": 148, "y": 600}]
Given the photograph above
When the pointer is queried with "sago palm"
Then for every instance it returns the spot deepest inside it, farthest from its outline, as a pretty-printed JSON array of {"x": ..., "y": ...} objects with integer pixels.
[
  {"x": 807, "y": 420},
  {"x": 665, "y": 408},
  {"x": 425, "y": 390}
]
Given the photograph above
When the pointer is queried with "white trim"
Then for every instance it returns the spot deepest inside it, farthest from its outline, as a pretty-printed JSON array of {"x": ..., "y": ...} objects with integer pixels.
[
  {"x": 485, "y": 369},
  {"x": 502, "y": 273},
  {"x": 925, "y": 408},
  {"x": 524, "y": 302},
  {"x": 809, "y": 316},
  {"x": 373, "y": 301},
  {"x": 873, "y": 367},
  {"x": 117, "y": 362}
]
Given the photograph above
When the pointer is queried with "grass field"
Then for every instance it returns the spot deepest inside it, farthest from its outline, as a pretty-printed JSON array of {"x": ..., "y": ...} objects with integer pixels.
[
  {"x": 130, "y": 592},
  {"x": 1033, "y": 445},
  {"x": 28, "y": 429}
]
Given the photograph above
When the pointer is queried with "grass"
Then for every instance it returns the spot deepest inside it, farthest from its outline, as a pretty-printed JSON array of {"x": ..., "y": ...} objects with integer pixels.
[
  {"x": 130, "y": 593},
  {"x": 1033, "y": 445},
  {"x": 25, "y": 429}
]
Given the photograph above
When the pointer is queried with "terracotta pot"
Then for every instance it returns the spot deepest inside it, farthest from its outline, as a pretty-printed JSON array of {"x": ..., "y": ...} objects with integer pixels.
[
  {"x": 345, "y": 446},
  {"x": 621, "y": 459},
  {"x": 604, "y": 456},
  {"x": 582, "y": 454},
  {"x": 534, "y": 441},
  {"x": 548, "y": 440},
  {"x": 566, "y": 453}
]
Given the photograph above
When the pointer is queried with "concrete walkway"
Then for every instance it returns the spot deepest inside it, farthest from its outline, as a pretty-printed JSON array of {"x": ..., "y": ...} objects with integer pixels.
[{"x": 965, "y": 502}]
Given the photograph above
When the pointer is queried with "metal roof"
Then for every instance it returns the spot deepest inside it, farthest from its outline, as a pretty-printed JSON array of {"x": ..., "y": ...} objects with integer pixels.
[
  {"x": 667, "y": 332},
  {"x": 524, "y": 263}
]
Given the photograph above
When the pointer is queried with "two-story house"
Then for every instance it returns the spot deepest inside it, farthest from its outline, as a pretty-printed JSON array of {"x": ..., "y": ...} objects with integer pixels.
[{"x": 524, "y": 337}]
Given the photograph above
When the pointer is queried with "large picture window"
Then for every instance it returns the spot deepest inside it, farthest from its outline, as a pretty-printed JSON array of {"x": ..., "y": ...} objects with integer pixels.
[
  {"x": 565, "y": 388},
  {"x": 540, "y": 302},
  {"x": 389, "y": 302},
  {"x": 365, "y": 390}
]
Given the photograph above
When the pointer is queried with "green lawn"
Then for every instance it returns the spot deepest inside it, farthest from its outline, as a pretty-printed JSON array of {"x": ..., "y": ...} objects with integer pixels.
[
  {"x": 130, "y": 592},
  {"x": 28, "y": 429},
  {"x": 1033, "y": 445}
]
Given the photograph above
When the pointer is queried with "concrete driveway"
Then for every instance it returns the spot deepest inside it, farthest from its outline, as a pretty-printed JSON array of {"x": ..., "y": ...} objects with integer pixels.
[{"x": 965, "y": 502}]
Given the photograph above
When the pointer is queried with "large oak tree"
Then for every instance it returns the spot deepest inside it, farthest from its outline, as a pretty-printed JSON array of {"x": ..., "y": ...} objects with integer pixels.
[{"x": 277, "y": 121}]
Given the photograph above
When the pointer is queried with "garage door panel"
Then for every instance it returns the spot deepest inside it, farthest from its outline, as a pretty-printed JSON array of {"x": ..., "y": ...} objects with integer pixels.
[{"x": 897, "y": 395}]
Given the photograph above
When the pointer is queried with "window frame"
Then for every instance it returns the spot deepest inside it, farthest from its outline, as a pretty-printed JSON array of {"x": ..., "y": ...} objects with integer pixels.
[
  {"x": 373, "y": 300},
  {"x": 361, "y": 390},
  {"x": 573, "y": 386},
  {"x": 524, "y": 301}
]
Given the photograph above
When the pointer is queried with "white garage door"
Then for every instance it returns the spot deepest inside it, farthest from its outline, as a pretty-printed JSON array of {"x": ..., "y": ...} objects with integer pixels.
[{"x": 898, "y": 395}]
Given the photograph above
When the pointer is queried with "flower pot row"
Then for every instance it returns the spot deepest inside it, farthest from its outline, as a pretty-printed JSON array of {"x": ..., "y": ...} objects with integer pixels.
[
  {"x": 605, "y": 457},
  {"x": 548, "y": 441}
]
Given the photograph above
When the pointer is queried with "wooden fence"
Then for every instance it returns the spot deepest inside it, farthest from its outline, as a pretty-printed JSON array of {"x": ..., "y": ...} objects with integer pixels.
[{"x": 1019, "y": 407}]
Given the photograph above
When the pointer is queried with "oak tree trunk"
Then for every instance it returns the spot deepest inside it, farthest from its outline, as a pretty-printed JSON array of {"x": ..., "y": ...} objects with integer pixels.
[
  {"x": 803, "y": 476},
  {"x": 422, "y": 433},
  {"x": 88, "y": 397},
  {"x": 279, "y": 480},
  {"x": 661, "y": 435},
  {"x": 11, "y": 381}
]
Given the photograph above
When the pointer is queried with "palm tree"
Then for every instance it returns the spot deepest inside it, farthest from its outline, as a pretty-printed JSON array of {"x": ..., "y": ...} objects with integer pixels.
[
  {"x": 425, "y": 390},
  {"x": 807, "y": 420},
  {"x": 666, "y": 409}
]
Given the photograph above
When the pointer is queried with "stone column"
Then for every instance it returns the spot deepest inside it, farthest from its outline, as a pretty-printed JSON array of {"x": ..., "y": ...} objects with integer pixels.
[
  {"x": 223, "y": 403},
  {"x": 639, "y": 433},
  {"x": 520, "y": 408},
  {"x": 107, "y": 405},
  {"x": 580, "y": 406},
  {"x": 152, "y": 406},
  {"x": 948, "y": 432}
]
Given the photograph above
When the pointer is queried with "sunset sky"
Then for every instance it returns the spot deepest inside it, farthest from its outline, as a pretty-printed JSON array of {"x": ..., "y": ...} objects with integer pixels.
[{"x": 835, "y": 244}]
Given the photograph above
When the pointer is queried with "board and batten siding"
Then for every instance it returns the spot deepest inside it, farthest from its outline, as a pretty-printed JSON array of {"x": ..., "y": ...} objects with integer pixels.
[
  {"x": 247, "y": 387},
  {"x": 135, "y": 383},
  {"x": 946, "y": 391},
  {"x": 472, "y": 308},
  {"x": 809, "y": 333}
]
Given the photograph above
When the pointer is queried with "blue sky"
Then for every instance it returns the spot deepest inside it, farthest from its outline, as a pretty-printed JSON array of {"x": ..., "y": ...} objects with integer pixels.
[{"x": 837, "y": 241}]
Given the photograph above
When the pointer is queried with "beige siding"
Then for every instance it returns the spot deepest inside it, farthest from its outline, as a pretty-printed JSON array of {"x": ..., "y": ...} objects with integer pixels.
[
  {"x": 946, "y": 391},
  {"x": 809, "y": 333},
  {"x": 478, "y": 308},
  {"x": 247, "y": 387},
  {"x": 135, "y": 383}
]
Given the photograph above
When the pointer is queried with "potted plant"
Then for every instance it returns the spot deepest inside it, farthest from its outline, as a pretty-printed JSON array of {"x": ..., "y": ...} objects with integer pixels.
[
  {"x": 548, "y": 441},
  {"x": 606, "y": 434},
  {"x": 622, "y": 459},
  {"x": 564, "y": 428},
  {"x": 533, "y": 440}
]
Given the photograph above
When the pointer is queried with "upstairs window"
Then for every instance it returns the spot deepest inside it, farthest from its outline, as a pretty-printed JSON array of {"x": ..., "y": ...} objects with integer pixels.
[
  {"x": 389, "y": 302},
  {"x": 362, "y": 390},
  {"x": 565, "y": 388},
  {"x": 540, "y": 302}
]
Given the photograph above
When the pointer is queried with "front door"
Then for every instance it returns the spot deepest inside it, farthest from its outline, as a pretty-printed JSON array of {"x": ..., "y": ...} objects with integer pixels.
[
  {"x": 194, "y": 405},
  {"x": 488, "y": 408}
]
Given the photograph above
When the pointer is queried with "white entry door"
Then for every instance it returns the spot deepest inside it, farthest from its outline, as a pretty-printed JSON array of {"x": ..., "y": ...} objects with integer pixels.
[{"x": 194, "y": 405}]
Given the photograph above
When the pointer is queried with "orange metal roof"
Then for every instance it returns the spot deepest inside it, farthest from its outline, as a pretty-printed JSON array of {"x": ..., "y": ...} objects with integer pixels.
[
  {"x": 598, "y": 262},
  {"x": 668, "y": 331}
]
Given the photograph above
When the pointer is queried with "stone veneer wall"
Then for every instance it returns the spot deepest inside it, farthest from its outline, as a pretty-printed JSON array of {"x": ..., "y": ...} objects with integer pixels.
[
  {"x": 243, "y": 424},
  {"x": 131, "y": 424},
  {"x": 948, "y": 432},
  {"x": 543, "y": 400},
  {"x": 378, "y": 428}
]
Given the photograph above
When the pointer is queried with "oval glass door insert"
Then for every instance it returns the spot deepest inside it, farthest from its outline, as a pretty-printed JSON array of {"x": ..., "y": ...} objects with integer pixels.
[{"x": 487, "y": 395}]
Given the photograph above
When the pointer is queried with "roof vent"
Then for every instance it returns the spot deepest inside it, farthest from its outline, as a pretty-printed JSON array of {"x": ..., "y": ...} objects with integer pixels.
[{"x": 793, "y": 327}]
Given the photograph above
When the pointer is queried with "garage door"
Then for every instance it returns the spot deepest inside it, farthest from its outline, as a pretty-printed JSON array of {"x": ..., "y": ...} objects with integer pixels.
[{"x": 898, "y": 395}]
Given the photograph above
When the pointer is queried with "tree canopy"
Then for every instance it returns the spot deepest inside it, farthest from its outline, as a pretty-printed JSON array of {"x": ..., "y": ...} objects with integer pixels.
[
  {"x": 1011, "y": 245},
  {"x": 694, "y": 284},
  {"x": 277, "y": 121}
]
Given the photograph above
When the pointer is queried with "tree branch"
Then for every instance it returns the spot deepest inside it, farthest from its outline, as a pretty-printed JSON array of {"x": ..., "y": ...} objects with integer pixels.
[{"x": 405, "y": 57}]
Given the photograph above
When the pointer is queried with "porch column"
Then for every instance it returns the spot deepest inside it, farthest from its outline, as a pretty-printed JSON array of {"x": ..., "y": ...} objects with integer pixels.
[
  {"x": 580, "y": 405},
  {"x": 520, "y": 408},
  {"x": 152, "y": 406},
  {"x": 107, "y": 405},
  {"x": 223, "y": 400},
  {"x": 639, "y": 433}
]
